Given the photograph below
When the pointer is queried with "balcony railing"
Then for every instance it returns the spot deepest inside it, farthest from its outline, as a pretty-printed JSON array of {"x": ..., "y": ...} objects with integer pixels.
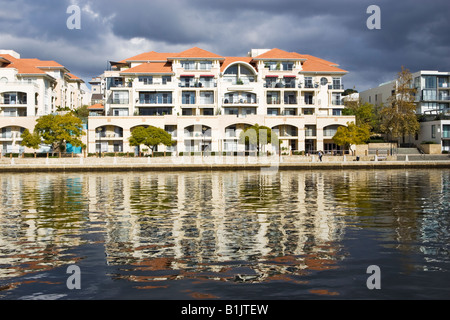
[
  {"x": 120, "y": 101},
  {"x": 197, "y": 84},
  {"x": 237, "y": 101},
  {"x": 273, "y": 101},
  {"x": 310, "y": 133},
  {"x": 280, "y": 84},
  {"x": 336, "y": 87},
  {"x": 337, "y": 102}
]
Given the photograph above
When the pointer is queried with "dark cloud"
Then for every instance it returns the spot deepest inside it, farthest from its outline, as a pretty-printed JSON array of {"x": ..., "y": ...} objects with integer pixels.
[{"x": 413, "y": 33}]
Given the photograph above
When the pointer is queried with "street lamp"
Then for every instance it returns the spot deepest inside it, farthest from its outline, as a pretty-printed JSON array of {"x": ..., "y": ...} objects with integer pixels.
[{"x": 99, "y": 130}]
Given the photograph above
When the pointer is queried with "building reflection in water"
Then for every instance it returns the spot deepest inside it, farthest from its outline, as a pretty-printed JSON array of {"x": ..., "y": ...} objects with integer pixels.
[{"x": 240, "y": 226}]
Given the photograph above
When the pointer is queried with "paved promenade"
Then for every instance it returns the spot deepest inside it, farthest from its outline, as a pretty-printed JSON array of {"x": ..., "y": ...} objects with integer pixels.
[{"x": 197, "y": 163}]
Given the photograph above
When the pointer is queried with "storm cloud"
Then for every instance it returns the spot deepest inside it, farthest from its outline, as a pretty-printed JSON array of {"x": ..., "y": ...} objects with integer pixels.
[{"x": 413, "y": 34}]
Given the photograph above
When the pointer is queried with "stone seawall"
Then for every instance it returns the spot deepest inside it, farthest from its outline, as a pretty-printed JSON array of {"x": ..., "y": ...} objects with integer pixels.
[{"x": 10, "y": 165}]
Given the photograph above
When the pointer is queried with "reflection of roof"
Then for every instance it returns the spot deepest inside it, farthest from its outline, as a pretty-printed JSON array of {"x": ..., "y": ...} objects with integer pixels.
[
  {"x": 196, "y": 53},
  {"x": 230, "y": 60},
  {"x": 148, "y": 68}
]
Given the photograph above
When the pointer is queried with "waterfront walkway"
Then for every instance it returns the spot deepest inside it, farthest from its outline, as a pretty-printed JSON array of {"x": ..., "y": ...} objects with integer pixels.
[{"x": 198, "y": 163}]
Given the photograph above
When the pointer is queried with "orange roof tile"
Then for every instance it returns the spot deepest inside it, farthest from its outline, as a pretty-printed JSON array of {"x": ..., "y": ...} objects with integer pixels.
[
  {"x": 150, "y": 68},
  {"x": 314, "y": 64},
  {"x": 149, "y": 56},
  {"x": 97, "y": 106},
  {"x": 279, "y": 54},
  {"x": 197, "y": 53},
  {"x": 22, "y": 67}
]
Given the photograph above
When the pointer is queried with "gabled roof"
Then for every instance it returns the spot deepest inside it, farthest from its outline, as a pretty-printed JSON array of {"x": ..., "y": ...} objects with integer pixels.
[
  {"x": 314, "y": 64},
  {"x": 278, "y": 54},
  {"x": 196, "y": 53},
  {"x": 150, "y": 68},
  {"x": 73, "y": 77},
  {"x": 22, "y": 65},
  {"x": 149, "y": 56}
]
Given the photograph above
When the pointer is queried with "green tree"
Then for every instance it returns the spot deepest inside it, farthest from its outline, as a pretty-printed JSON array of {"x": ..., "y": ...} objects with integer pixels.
[
  {"x": 82, "y": 112},
  {"x": 365, "y": 113},
  {"x": 256, "y": 135},
  {"x": 351, "y": 135},
  {"x": 399, "y": 118},
  {"x": 151, "y": 137},
  {"x": 55, "y": 131}
]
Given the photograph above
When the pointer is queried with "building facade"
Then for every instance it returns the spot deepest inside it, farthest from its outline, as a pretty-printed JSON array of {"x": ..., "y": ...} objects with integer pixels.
[
  {"x": 30, "y": 88},
  {"x": 432, "y": 101},
  {"x": 205, "y": 100}
]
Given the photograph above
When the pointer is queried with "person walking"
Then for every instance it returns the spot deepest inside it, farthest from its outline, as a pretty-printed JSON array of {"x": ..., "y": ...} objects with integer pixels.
[{"x": 320, "y": 156}]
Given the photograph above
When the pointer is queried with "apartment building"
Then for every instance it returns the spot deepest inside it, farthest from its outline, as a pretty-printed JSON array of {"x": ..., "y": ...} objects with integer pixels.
[
  {"x": 205, "y": 100},
  {"x": 432, "y": 100},
  {"x": 30, "y": 88}
]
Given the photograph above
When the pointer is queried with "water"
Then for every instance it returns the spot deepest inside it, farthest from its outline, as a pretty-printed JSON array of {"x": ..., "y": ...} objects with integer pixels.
[{"x": 226, "y": 235}]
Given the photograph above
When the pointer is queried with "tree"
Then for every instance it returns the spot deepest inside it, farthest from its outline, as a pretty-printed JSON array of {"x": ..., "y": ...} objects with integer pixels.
[
  {"x": 256, "y": 135},
  {"x": 399, "y": 117},
  {"x": 82, "y": 112},
  {"x": 365, "y": 113},
  {"x": 351, "y": 134},
  {"x": 151, "y": 137},
  {"x": 55, "y": 131}
]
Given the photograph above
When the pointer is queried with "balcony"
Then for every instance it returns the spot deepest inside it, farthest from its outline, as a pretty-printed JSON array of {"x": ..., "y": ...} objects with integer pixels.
[
  {"x": 280, "y": 84},
  {"x": 120, "y": 101},
  {"x": 239, "y": 101},
  {"x": 337, "y": 102},
  {"x": 336, "y": 87}
]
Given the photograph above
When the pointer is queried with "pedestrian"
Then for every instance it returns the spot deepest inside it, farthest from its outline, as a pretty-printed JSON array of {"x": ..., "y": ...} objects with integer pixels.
[{"x": 320, "y": 156}]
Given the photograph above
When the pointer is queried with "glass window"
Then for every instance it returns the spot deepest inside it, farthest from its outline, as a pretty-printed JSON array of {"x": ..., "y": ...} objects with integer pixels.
[
  {"x": 433, "y": 131},
  {"x": 430, "y": 82}
]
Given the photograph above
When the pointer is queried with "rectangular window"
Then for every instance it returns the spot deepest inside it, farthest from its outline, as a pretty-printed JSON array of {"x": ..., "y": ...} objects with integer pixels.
[
  {"x": 446, "y": 131},
  {"x": 308, "y": 82},
  {"x": 207, "y": 97},
  {"x": 337, "y": 84},
  {"x": 188, "y": 97},
  {"x": 430, "y": 82},
  {"x": 166, "y": 79},
  {"x": 337, "y": 112},
  {"x": 120, "y": 97},
  {"x": 146, "y": 80},
  {"x": 433, "y": 131}
]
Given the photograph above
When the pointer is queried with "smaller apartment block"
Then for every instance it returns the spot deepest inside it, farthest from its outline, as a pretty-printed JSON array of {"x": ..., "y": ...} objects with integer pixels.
[
  {"x": 432, "y": 100},
  {"x": 205, "y": 100},
  {"x": 30, "y": 88}
]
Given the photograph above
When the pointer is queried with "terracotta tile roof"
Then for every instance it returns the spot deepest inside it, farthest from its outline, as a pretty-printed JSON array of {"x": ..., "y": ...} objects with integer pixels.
[
  {"x": 97, "y": 106},
  {"x": 22, "y": 67},
  {"x": 314, "y": 64},
  {"x": 74, "y": 77},
  {"x": 279, "y": 54},
  {"x": 43, "y": 64},
  {"x": 196, "y": 53},
  {"x": 150, "y": 68},
  {"x": 230, "y": 60},
  {"x": 149, "y": 56}
]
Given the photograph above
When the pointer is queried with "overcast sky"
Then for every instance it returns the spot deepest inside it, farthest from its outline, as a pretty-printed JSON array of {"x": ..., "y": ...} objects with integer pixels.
[{"x": 414, "y": 34}]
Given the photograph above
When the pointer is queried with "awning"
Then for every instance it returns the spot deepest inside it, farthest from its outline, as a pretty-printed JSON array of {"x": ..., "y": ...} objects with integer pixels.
[
  {"x": 187, "y": 75},
  {"x": 207, "y": 76},
  {"x": 290, "y": 76},
  {"x": 270, "y": 76}
]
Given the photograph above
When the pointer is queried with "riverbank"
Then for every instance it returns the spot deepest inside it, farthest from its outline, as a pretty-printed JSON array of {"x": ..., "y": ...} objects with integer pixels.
[{"x": 190, "y": 163}]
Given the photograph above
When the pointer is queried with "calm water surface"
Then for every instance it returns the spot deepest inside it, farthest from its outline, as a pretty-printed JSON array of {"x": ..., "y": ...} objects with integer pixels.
[{"x": 226, "y": 235}]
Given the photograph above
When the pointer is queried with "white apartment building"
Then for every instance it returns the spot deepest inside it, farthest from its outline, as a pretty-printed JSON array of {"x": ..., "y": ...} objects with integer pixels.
[
  {"x": 205, "y": 100},
  {"x": 432, "y": 101},
  {"x": 30, "y": 88}
]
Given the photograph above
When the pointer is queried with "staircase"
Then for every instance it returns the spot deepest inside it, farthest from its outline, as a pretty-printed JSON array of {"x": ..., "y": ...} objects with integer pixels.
[{"x": 408, "y": 151}]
